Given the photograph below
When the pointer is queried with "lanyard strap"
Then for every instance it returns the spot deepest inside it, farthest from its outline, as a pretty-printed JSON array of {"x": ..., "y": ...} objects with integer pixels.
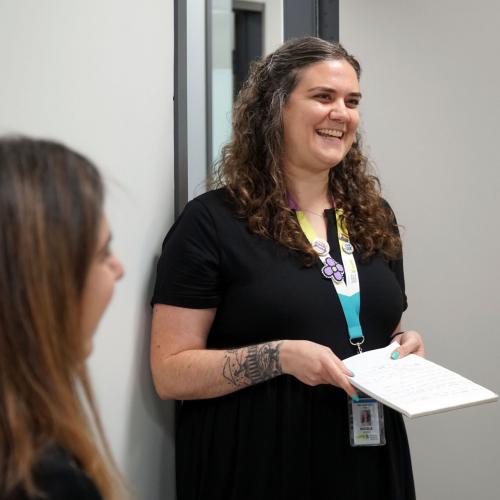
[{"x": 343, "y": 276}]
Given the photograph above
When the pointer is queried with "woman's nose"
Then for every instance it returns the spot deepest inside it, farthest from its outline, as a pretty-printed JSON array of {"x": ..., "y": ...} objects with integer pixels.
[
  {"x": 338, "y": 111},
  {"x": 118, "y": 268}
]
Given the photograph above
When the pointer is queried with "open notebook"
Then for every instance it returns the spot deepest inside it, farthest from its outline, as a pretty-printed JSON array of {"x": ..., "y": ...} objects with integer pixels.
[{"x": 412, "y": 385}]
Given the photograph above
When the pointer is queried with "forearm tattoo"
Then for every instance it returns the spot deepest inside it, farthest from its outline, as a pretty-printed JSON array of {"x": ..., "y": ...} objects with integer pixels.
[{"x": 253, "y": 364}]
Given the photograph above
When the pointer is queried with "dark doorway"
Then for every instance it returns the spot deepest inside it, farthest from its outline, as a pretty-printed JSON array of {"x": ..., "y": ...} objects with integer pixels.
[{"x": 248, "y": 40}]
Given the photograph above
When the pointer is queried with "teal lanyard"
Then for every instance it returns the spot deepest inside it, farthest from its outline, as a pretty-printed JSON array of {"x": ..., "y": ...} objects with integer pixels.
[{"x": 343, "y": 276}]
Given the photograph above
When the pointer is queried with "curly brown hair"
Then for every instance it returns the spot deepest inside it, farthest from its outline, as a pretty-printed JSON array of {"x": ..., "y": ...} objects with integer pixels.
[{"x": 250, "y": 166}]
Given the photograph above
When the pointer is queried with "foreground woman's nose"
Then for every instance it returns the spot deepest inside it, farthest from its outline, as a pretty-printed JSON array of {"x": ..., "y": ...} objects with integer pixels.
[{"x": 118, "y": 268}]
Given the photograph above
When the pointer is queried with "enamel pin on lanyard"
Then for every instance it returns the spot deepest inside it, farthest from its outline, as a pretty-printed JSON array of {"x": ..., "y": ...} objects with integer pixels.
[{"x": 366, "y": 416}]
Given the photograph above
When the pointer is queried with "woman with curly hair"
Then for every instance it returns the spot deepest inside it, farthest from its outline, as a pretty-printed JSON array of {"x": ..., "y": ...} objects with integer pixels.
[
  {"x": 266, "y": 283},
  {"x": 58, "y": 274}
]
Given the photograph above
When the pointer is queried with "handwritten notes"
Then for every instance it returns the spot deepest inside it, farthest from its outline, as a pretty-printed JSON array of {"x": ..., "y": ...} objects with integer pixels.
[{"x": 413, "y": 385}]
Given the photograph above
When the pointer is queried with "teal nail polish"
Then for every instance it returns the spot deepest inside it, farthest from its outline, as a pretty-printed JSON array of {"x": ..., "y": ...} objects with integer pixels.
[
  {"x": 395, "y": 355},
  {"x": 355, "y": 398}
]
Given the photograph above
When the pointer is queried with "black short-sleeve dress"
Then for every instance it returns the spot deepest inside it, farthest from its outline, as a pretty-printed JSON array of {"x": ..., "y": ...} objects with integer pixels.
[{"x": 280, "y": 439}]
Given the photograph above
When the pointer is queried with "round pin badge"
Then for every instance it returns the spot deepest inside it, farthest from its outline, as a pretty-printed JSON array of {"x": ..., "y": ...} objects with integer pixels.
[
  {"x": 321, "y": 247},
  {"x": 347, "y": 247}
]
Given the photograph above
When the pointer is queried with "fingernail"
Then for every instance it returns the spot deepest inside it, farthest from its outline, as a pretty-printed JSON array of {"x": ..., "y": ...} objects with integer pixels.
[
  {"x": 355, "y": 397},
  {"x": 395, "y": 355},
  {"x": 352, "y": 374}
]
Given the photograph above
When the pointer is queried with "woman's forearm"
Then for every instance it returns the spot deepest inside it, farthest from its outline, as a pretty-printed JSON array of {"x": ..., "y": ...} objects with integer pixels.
[{"x": 209, "y": 373}]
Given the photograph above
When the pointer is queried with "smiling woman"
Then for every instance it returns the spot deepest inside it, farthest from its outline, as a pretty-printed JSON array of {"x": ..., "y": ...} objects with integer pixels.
[
  {"x": 266, "y": 283},
  {"x": 320, "y": 118},
  {"x": 299, "y": 81}
]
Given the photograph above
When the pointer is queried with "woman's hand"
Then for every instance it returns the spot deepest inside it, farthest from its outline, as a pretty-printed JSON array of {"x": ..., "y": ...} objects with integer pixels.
[
  {"x": 315, "y": 364},
  {"x": 411, "y": 343}
]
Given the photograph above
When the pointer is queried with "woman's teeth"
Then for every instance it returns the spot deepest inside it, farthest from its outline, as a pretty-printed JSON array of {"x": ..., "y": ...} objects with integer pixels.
[{"x": 329, "y": 132}]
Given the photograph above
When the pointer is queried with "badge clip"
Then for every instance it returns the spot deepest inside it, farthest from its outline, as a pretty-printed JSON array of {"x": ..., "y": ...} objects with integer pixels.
[{"x": 358, "y": 342}]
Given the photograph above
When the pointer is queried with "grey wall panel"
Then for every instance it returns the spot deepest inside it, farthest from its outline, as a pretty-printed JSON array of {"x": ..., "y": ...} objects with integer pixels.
[
  {"x": 312, "y": 17},
  {"x": 300, "y": 18},
  {"x": 328, "y": 20},
  {"x": 430, "y": 112}
]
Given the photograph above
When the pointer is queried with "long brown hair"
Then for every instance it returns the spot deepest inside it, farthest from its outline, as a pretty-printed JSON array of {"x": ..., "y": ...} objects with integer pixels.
[
  {"x": 250, "y": 164},
  {"x": 50, "y": 209}
]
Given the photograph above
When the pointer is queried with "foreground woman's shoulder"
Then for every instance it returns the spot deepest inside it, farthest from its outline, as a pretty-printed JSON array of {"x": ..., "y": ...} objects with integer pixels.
[{"x": 58, "y": 476}]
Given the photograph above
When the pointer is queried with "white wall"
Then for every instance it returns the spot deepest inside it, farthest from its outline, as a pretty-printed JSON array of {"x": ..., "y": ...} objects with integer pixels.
[
  {"x": 430, "y": 112},
  {"x": 99, "y": 76},
  {"x": 196, "y": 85},
  {"x": 222, "y": 32},
  {"x": 273, "y": 29}
]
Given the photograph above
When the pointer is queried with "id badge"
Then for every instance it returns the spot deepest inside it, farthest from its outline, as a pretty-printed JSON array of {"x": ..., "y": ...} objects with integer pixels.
[{"x": 366, "y": 422}]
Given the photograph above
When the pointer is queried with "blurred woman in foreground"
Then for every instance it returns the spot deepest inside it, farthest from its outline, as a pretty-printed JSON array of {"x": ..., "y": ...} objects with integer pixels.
[{"x": 58, "y": 274}]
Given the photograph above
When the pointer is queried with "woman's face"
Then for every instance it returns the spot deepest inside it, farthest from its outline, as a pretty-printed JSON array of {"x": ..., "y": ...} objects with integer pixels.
[
  {"x": 321, "y": 116},
  {"x": 105, "y": 270}
]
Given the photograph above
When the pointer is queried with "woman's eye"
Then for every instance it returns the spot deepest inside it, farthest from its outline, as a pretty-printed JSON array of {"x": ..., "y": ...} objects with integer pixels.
[
  {"x": 324, "y": 97},
  {"x": 353, "y": 103},
  {"x": 105, "y": 252}
]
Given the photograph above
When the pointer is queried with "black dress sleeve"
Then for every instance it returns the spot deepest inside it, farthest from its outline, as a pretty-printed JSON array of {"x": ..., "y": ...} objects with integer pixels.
[
  {"x": 188, "y": 269},
  {"x": 59, "y": 477},
  {"x": 396, "y": 266}
]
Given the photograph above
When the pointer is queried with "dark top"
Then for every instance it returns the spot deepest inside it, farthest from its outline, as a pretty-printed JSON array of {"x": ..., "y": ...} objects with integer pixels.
[
  {"x": 58, "y": 476},
  {"x": 280, "y": 439}
]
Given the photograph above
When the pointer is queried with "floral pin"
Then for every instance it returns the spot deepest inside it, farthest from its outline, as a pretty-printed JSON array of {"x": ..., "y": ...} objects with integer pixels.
[{"x": 332, "y": 269}]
